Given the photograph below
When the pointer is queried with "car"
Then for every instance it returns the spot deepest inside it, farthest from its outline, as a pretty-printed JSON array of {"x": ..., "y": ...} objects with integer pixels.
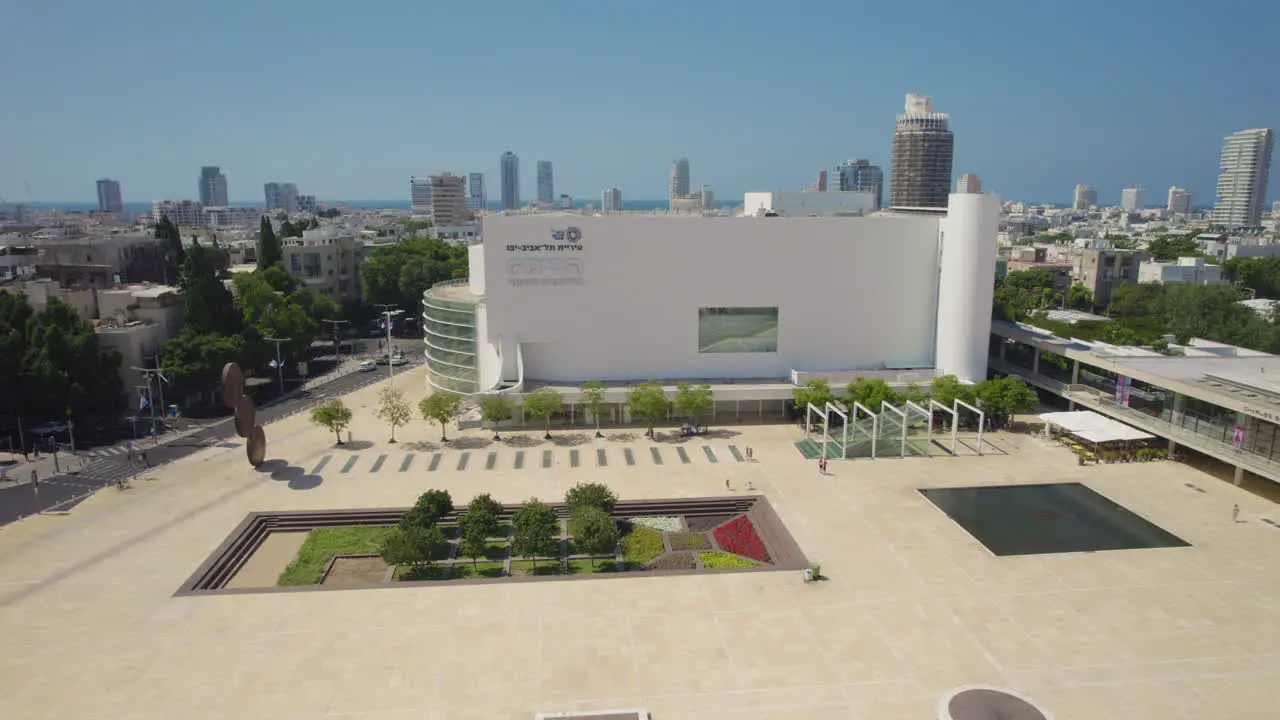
[
  {"x": 368, "y": 366},
  {"x": 399, "y": 360}
]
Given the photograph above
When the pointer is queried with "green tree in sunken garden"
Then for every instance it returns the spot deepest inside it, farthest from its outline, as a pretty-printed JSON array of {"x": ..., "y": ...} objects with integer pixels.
[
  {"x": 484, "y": 508},
  {"x": 590, "y": 495},
  {"x": 269, "y": 250},
  {"x": 429, "y": 508},
  {"x": 871, "y": 392},
  {"x": 441, "y": 407},
  {"x": 593, "y": 401},
  {"x": 595, "y": 532},
  {"x": 414, "y": 545},
  {"x": 393, "y": 409},
  {"x": 693, "y": 401},
  {"x": 333, "y": 415},
  {"x": 495, "y": 409},
  {"x": 543, "y": 404},
  {"x": 473, "y": 540},
  {"x": 648, "y": 402},
  {"x": 535, "y": 527}
]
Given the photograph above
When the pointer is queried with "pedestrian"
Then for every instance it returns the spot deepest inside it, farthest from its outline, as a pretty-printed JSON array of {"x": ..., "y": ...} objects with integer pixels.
[
  {"x": 35, "y": 481},
  {"x": 144, "y": 459},
  {"x": 726, "y": 484},
  {"x": 1235, "y": 513},
  {"x": 129, "y": 447},
  {"x": 751, "y": 486}
]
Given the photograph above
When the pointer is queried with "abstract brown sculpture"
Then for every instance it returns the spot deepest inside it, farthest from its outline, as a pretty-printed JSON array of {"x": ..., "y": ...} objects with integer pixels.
[{"x": 246, "y": 414}]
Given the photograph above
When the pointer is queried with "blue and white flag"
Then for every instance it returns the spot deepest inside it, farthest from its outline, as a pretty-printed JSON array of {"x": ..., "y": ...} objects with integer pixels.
[{"x": 142, "y": 402}]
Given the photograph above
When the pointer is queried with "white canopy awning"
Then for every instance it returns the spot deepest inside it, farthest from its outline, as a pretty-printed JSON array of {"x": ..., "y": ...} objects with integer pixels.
[{"x": 1089, "y": 425}]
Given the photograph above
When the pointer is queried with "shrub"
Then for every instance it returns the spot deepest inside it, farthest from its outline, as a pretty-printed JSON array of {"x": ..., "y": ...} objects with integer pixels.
[
  {"x": 484, "y": 506},
  {"x": 641, "y": 545},
  {"x": 661, "y": 524},
  {"x": 739, "y": 537},
  {"x": 590, "y": 495},
  {"x": 724, "y": 560},
  {"x": 596, "y": 533}
]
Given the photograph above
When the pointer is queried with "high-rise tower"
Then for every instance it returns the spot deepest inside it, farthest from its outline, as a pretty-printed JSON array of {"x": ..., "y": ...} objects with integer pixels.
[
  {"x": 1242, "y": 178},
  {"x": 860, "y": 175},
  {"x": 510, "y": 165},
  {"x": 213, "y": 187},
  {"x": 922, "y": 150},
  {"x": 109, "y": 199},
  {"x": 546, "y": 187},
  {"x": 1084, "y": 198},
  {"x": 679, "y": 186},
  {"x": 477, "y": 197}
]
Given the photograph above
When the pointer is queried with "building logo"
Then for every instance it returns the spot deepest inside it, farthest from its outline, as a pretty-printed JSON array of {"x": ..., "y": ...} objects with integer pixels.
[{"x": 570, "y": 235}]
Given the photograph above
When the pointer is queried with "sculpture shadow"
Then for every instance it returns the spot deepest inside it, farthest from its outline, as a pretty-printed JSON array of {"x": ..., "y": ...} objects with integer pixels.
[
  {"x": 570, "y": 439},
  {"x": 721, "y": 434},
  {"x": 282, "y": 471}
]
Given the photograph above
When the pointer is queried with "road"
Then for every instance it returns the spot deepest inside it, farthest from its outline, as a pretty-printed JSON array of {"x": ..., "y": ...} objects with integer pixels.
[{"x": 62, "y": 492}]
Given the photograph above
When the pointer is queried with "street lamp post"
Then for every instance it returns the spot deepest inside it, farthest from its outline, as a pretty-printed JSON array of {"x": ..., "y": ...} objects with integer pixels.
[
  {"x": 337, "y": 346},
  {"x": 150, "y": 373},
  {"x": 279, "y": 362},
  {"x": 387, "y": 314}
]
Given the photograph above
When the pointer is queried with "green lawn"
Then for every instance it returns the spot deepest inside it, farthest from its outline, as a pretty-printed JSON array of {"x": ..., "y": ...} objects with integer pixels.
[
  {"x": 526, "y": 567},
  {"x": 724, "y": 560},
  {"x": 584, "y": 567},
  {"x": 641, "y": 545},
  {"x": 465, "y": 570},
  {"x": 322, "y": 544}
]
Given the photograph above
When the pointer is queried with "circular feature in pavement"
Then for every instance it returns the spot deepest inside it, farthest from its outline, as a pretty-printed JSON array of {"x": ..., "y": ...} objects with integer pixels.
[{"x": 988, "y": 703}]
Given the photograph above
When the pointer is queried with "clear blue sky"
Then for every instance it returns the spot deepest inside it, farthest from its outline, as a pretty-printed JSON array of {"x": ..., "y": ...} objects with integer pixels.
[{"x": 348, "y": 99}]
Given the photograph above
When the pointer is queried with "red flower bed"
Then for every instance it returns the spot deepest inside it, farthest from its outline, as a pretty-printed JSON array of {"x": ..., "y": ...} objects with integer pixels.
[{"x": 739, "y": 537}]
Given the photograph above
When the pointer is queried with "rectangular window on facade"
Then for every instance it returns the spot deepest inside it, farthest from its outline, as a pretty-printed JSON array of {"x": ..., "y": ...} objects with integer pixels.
[{"x": 738, "y": 330}]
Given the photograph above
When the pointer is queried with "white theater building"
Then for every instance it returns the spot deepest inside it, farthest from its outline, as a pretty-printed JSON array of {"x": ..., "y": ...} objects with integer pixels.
[{"x": 752, "y": 306}]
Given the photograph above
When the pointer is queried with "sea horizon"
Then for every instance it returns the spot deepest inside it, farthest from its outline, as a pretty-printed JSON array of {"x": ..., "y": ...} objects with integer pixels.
[{"x": 140, "y": 208}]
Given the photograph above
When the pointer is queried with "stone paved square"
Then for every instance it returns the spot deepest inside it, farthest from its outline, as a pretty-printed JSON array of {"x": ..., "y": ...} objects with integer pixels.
[{"x": 913, "y": 606}]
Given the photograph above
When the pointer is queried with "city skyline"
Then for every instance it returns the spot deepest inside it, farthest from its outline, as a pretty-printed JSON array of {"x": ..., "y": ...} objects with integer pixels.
[{"x": 1002, "y": 111}]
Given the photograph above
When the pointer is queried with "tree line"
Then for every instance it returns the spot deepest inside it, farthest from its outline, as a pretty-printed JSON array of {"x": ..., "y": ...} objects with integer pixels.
[
  {"x": 648, "y": 402},
  {"x": 1144, "y": 313},
  {"x": 999, "y": 398},
  {"x": 420, "y": 541}
]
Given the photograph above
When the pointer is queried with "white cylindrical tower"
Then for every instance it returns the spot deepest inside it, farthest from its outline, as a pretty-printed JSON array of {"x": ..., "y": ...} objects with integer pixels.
[{"x": 966, "y": 285}]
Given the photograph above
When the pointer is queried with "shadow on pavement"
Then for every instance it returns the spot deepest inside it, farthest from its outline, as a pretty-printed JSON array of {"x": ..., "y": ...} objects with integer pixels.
[{"x": 297, "y": 478}]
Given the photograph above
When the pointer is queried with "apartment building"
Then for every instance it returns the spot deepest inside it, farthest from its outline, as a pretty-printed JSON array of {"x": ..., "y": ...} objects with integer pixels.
[
  {"x": 1102, "y": 270},
  {"x": 1193, "y": 270},
  {"x": 328, "y": 262}
]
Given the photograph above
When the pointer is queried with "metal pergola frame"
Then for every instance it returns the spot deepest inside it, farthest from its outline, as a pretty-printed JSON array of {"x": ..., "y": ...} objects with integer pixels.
[
  {"x": 826, "y": 430},
  {"x": 915, "y": 409},
  {"x": 874, "y": 432},
  {"x": 955, "y": 422},
  {"x": 982, "y": 419},
  {"x": 902, "y": 416}
]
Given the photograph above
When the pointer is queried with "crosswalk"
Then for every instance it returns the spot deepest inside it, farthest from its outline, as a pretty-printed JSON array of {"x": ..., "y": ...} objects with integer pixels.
[{"x": 517, "y": 459}]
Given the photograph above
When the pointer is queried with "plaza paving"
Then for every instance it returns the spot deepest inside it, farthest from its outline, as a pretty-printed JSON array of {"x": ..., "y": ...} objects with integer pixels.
[{"x": 913, "y": 607}]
